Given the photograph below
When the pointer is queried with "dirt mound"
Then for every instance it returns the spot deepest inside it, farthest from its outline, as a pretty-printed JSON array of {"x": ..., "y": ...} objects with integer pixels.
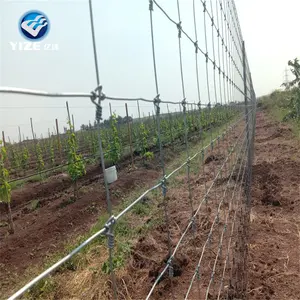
[
  {"x": 267, "y": 184},
  {"x": 274, "y": 249}
]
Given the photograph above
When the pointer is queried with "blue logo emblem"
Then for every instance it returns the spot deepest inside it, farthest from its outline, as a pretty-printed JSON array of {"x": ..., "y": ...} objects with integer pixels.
[{"x": 34, "y": 25}]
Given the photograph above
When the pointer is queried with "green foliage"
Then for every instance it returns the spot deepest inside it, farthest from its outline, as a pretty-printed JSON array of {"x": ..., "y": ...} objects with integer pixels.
[
  {"x": 25, "y": 159},
  {"x": 15, "y": 158},
  {"x": 42, "y": 288},
  {"x": 189, "y": 123},
  {"x": 94, "y": 144},
  {"x": 141, "y": 208},
  {"x": 34, "y": 204},
  {"x": 39, "y": 156},
  {"x": 294, "y": 101},
  {"x": 295, "y": 69},
  {"x": 115, "y": 140},
  {"x": 52, "y": 154},
  {"x": 5, "y": 188},
  {"x": 113, "y": 152},
  {"x": 122, "y": 251},
  {"x": 143, "y": 138},
  {"x": 148, "y": 155},
  {"x": 76, "y": 166}
]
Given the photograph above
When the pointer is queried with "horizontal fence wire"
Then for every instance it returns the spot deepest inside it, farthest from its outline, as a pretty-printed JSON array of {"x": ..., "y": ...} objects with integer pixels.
[
  {"x": 227, "y": 85},
  {"x": 242, "y": 135},
  {"x": 83, "y": 151},
  {"x": 113, "y": 219}
]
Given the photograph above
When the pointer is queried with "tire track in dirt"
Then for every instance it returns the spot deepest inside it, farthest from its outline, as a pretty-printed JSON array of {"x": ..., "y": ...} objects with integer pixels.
[{"x": 274, "y": 246}]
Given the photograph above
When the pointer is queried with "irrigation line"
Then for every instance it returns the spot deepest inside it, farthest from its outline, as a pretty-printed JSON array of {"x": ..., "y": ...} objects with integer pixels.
[{"x": 44, "y": 171}]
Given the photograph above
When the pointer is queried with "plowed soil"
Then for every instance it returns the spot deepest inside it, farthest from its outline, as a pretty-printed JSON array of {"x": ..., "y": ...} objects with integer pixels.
[
  {"x": 274, "y": 246},
  {"x": 55, "y": 219},
  {"x": 212, "y": 241},
  {"x": 274, "y": 262}
]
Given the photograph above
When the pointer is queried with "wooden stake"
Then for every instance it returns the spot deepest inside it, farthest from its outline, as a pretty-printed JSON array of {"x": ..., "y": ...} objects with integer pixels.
[
  {"x": 69, "y": 117},
  {"x": 58, "y": 140},
  {"x": 3, "y": 139},
  {"x": 129, "y": 133},
  {"x": 32, "y": 131},
  {"x": 138, "y": 104}
]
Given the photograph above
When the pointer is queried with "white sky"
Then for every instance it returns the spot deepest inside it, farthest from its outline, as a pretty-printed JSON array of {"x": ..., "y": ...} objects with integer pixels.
[{"x": 125, "y": 57}]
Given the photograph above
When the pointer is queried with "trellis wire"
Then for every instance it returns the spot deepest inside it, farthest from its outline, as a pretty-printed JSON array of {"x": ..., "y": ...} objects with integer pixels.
[
  {"x": 190, "y": 224},
  {"x": 111, "y": 221},
  {"x": 228, "y": 33}
]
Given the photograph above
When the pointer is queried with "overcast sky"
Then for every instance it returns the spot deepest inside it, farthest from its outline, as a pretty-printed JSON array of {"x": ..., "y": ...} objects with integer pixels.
[{"x": 125, "y": 56}]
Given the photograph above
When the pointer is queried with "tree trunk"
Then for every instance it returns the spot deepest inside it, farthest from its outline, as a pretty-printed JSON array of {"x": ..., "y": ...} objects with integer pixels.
[{"x": 10, "y": 219}]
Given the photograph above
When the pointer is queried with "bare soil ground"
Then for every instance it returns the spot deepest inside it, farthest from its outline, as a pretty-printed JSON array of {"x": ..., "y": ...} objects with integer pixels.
[
  {"x": 274, "y": 262},
  {"x": 54, "y": 220},
  {"x": 274, "y": 245},
  {"x": 46, "y": 219},
  {"x": 219, "y": 215}
]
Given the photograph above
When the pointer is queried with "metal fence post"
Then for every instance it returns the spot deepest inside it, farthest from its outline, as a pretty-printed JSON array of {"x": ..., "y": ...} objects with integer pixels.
[{"x": 247, "y": 185}]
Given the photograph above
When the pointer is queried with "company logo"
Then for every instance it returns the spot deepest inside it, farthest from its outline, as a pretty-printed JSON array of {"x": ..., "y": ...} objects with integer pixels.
[{"x": 34, "y": 25}]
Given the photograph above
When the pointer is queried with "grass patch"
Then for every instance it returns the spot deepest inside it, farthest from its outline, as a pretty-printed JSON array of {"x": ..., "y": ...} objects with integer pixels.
[
  {"x": 41, "y": 289},
  {"x": 142, "y": 208},
  {"x": 121, "y": 253},
  {"x": 277, "y": 104},
  {"x": 34, "y": 204},
  {"x": 20, "y": 183}
]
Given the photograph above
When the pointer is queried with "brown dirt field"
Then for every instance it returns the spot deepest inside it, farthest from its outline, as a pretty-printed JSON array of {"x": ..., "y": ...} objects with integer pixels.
[
  {"x": 274, "y": 262},
  {"x": 149, "y": 252},
  {"x": 274, "y": 242},
  {"x": 57, "y": 220}
]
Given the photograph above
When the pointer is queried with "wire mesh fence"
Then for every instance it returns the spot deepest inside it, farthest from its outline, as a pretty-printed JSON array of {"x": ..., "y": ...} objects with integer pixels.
[{"x": 204, "y": 252}]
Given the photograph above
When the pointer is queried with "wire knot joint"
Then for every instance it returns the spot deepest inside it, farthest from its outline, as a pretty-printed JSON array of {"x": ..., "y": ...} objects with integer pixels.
[
  {"x": 171, "y": 269},
  {"x": 196, "y": 46},
  {"x": 206, "y": 57},
  {"x": 183, "y": 103},
  {"x": 156, "y": 102},
  {"x": 151, "y": 5},
  {"x": 109, "y": 231},
  {"x": 164, "y": 186},
  {"x": 179, "y": 27},
  {"x": 204, "y": 6}
]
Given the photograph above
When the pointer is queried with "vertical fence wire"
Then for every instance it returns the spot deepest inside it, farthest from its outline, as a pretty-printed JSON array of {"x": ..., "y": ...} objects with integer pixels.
[
  {"x": 221, "y": 255},
  {"x": 110, "y": 234},
  {"x": 164, "y": 181}
]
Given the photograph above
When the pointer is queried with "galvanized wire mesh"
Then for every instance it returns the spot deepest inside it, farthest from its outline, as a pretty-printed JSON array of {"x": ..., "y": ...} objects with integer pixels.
[{"x": 217, "y": 268}]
